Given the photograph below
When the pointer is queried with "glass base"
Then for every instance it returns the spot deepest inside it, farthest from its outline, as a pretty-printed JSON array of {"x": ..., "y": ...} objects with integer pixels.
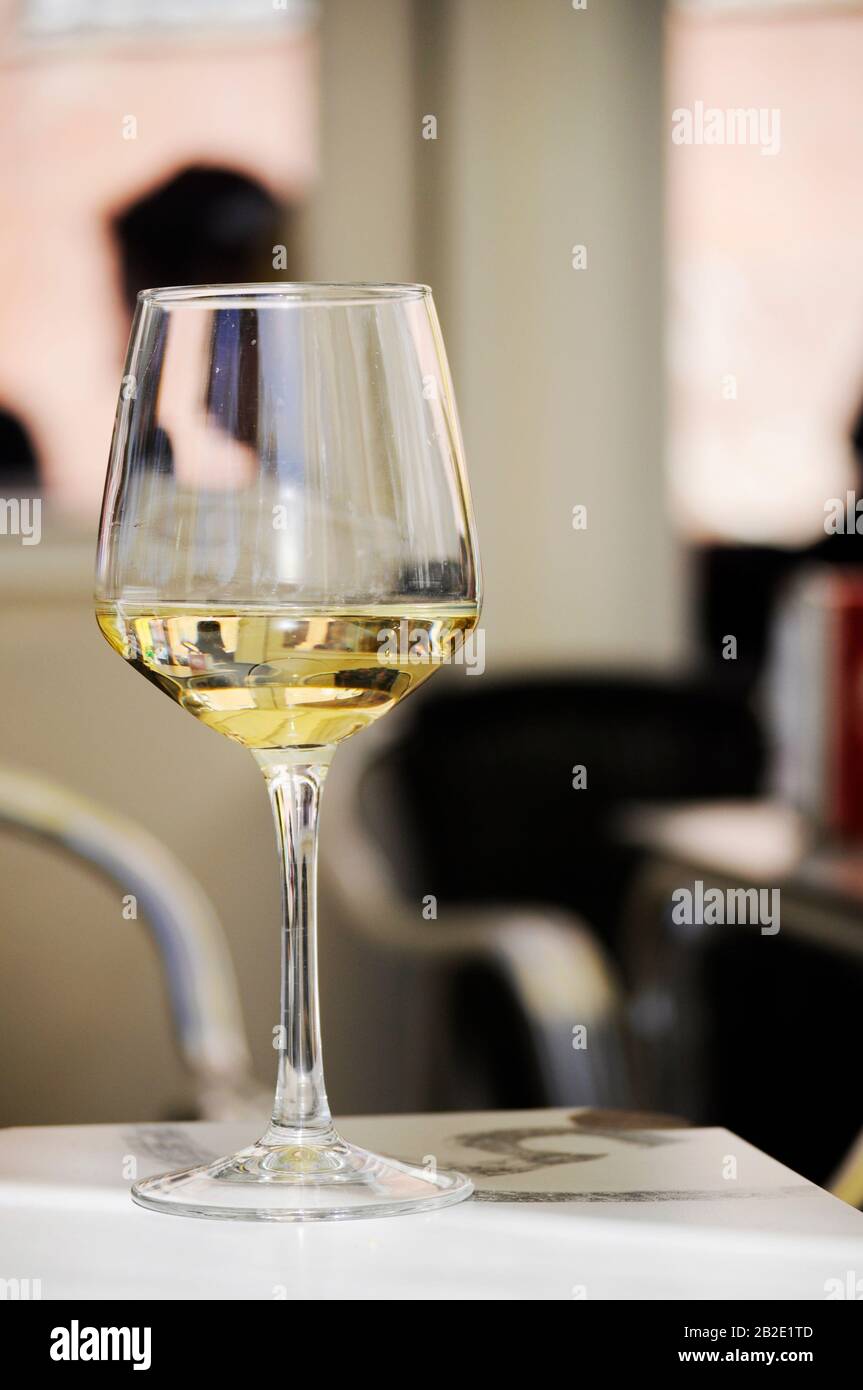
[{"x": 333, "y": 1181}]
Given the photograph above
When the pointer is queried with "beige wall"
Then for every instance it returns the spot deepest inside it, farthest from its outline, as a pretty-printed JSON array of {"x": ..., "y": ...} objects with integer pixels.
[{"x": 549, "y": 134}]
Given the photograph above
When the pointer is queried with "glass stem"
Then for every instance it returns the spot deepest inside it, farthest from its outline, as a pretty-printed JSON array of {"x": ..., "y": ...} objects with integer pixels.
[{"x": 301, "y": 1114}]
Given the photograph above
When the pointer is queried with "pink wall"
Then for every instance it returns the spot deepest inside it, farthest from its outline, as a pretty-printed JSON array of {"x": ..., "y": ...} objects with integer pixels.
[
  {"x": 66, "y": 169},
  {"x": 766, "y": 276}
]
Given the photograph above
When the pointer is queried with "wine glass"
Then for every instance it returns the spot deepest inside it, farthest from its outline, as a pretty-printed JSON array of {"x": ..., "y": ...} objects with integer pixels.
[{"x": 287, "y": 550}]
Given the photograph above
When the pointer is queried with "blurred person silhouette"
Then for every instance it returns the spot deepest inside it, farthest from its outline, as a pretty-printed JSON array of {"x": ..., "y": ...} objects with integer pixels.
[{"x": 205, "y": 226}]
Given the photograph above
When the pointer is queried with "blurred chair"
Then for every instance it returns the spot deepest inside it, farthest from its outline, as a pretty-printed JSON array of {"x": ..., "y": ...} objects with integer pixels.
[
  {"x": 511, "y": 983},
  {"x": 524, "y": 978},
  {"x": 470, "y": 799},
  {"x": 199, "y": 974},
  {"x": 483, "y": 778}
]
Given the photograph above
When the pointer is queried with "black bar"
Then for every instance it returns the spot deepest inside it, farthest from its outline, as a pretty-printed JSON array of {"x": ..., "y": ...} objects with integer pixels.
[{"x": 623, "y": 1335}]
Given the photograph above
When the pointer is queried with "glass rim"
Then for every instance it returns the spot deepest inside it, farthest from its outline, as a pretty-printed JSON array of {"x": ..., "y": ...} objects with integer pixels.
[{"x": 317, "y": 294}]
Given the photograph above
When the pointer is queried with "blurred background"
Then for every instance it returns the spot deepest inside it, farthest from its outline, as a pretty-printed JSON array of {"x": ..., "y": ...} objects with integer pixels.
[{"x": 657, "y": 344}]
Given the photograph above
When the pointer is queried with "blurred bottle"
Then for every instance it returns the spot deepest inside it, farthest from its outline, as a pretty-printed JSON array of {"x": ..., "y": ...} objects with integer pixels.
[{"x": 815, "y": 698}]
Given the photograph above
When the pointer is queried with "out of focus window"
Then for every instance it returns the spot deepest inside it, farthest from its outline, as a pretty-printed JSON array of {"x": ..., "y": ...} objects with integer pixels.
[
  {"x": 145, "y": 142},
  {"x": 765, "y": 269}
]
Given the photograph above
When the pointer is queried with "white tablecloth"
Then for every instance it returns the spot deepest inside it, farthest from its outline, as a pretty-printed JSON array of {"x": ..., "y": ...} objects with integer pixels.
[{"x": 569, "y": 1205}]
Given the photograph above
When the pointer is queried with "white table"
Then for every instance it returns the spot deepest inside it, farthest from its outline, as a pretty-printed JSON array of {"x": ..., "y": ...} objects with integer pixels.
[{"x": 569, "y": 1205}]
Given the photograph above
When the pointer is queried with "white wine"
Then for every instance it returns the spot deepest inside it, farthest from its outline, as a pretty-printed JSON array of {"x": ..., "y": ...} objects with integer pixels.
[{"x": 286, "y": 677}]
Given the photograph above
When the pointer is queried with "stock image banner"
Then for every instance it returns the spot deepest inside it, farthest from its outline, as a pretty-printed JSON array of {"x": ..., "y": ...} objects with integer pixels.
[{"x": 455, "y": 409}]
